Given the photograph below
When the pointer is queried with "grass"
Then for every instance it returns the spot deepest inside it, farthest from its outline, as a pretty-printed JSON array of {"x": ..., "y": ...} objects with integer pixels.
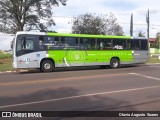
[
  {"x": 5, "y": 62},
  {"x": 154, "y": 59},
  {"x": 5, "y": 56},
  {"x": 6, "y": 66}
]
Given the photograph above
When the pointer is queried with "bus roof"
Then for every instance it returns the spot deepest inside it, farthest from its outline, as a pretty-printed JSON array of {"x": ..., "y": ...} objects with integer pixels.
[
  {"x": 78, "y": 35},
  {"x": 30, "y": 33},
  {"x": 87, "y": 35}
]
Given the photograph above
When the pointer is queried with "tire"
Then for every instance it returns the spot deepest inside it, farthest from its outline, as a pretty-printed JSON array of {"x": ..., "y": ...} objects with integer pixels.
[
  {"x": 47, "y": 66},
  {"x": 115, "y": 63}
]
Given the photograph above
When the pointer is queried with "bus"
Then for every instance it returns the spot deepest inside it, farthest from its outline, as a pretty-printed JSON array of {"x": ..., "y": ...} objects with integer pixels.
[{"x": 47, "y": 50}]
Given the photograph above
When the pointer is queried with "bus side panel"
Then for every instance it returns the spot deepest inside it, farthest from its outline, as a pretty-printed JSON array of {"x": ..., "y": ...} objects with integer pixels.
[
  {"x": 125, "y": 56},
  {"x": 31, "y": 60},
  {"x": 140, "y": 56},
  {"x": 67, "y": 58},
  {"x": 104, "y": 57},
  {"x": 58, "y": 57}
]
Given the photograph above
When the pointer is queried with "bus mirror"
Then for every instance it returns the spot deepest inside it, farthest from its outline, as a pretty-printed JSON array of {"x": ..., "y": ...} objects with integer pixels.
[{"x": 12, "y": 44}]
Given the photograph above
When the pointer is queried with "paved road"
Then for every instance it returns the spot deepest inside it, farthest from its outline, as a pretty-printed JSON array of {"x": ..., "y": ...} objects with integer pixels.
[{"x": 135, "y": 88}]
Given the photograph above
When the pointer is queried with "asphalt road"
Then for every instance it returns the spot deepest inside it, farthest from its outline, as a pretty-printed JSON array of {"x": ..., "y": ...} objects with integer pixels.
[{"x": 135, "y": 88}]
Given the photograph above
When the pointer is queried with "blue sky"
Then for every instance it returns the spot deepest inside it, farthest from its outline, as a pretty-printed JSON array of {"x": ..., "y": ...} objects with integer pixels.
[{"x": 121, "y": 8}]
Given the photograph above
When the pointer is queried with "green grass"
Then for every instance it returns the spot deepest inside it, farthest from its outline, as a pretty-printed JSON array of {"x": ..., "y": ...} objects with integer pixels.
[
  {"x": 5, "y": 56},
  {"x": 5, "y": 62},
  {"x": 154, "y": 59},
  {"x": 6, "y": 66}
]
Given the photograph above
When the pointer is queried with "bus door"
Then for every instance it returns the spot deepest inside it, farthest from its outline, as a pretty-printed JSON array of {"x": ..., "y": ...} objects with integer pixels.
[
  {"x": 74, "y": 53},
  {"x": 88, "y": 46},
  {"x": 25, "y": 52}
]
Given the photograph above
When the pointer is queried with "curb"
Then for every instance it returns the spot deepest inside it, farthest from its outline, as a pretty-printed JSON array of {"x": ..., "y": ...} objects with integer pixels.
[
  {"x": 28, "y": 70},
  {"x": 13, "y": 71},
  {"x": 153, "y": 64}
]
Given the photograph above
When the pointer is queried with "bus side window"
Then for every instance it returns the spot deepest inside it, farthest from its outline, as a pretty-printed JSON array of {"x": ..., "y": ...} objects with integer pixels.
[
  {"x": 108, "y": 44},
  {"x": 41, "y": 43},
  {"x": 130, "y": 45},
  {"x": 49, "y": 43},
  {"x": 144, "y": 45},
  {"x": 83, "y": 44},
  {"x": 100, "y": 44},
  {"x": 135, "y": 44},
  {"x": 119, "y": 44},
  {"x": 69, "y": 43},
  {"x": 88, "y": 43}
]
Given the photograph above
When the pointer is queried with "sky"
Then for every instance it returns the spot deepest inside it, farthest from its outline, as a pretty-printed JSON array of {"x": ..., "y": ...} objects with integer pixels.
[
  {"x": 122, "y": 9},
  {"x": 5, "y": 41}
]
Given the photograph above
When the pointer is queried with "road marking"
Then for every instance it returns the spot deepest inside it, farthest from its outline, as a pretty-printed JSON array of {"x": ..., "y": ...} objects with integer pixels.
[
  {"x": 61, "y": 79},
  {"x": 145, "y": 76},
  {"x": 79, "y": 96}
]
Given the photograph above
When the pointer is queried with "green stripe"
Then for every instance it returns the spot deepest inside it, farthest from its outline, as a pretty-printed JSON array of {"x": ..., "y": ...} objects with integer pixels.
[{"x": 88, "y": 36}]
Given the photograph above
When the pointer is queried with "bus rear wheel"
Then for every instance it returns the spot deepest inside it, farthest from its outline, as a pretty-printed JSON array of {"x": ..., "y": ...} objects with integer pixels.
[
  {"x": 115, "y": 63},
  {"x": 47, "y": 66}
]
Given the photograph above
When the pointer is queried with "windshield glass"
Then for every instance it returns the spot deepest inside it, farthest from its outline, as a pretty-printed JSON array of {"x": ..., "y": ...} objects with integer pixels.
[{"x": 25, "y": 43}]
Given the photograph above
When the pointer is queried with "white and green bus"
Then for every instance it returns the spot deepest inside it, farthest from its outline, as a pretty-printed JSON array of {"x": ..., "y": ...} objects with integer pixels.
[{"x": 46, "y": 51}]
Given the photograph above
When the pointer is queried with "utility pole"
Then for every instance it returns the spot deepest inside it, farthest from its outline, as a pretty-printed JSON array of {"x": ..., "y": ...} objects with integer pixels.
[
  {"x": 131, "y": 25},
  {"x": 148, "y": 22}
]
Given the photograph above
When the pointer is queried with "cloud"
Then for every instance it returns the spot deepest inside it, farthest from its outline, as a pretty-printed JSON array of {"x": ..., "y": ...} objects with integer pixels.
[
  {"x": 122, "y": 10},
  {"x": 5, "y": 41}
]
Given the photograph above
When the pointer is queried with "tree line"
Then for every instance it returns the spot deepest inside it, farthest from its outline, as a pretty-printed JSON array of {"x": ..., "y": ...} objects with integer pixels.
[{"x": 19, "y": 15}]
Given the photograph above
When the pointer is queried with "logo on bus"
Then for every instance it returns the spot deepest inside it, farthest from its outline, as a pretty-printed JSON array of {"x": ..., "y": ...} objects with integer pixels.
[
  {"x": 76, "y": 57},
  {"x": 118, "y": 47}
]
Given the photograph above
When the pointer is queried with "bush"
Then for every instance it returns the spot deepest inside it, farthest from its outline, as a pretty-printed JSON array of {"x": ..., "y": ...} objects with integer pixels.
[{"x": 154, "y": 45}]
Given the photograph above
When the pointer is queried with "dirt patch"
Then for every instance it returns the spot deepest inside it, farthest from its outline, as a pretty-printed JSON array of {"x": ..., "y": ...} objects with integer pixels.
[{"x": 5, "y": 61}]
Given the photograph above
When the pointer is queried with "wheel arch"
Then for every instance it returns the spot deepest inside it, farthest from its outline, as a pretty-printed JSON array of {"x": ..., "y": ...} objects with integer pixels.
[
  {"x": 47, "y": 59},
  {"x": 115, "y": 57}
]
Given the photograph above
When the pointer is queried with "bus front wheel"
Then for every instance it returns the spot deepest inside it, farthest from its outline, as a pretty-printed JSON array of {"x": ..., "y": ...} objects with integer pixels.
[
  {"x": 47, "y": 66},
  {"x": 115, "y": 63}
]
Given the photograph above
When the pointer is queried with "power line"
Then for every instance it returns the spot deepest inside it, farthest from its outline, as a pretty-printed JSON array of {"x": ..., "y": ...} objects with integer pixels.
[{"x": 140, "y": 24}]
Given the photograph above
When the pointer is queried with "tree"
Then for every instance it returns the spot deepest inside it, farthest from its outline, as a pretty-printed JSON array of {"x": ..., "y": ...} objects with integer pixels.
[
  {"x": 96, "y": 24},
  {"x": 17, "y": 15},
  {"x": 140, "y": 34},
  {"x": 156, "y": 44},
  {"x": 158, "y": 40}
]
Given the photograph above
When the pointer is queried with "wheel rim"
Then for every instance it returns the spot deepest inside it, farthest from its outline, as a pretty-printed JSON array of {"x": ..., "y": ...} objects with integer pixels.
[
  {"x": 115, "y": 64},
  {"x": 47, "y": 66}
]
